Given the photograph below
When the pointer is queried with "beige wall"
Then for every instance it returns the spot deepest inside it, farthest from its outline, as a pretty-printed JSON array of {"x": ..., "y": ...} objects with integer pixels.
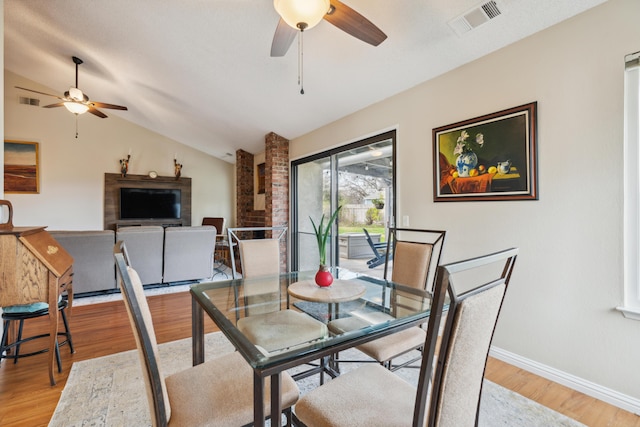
[
  {"x": 559, "y": 312},
  {"x": 72, "y": 170}
]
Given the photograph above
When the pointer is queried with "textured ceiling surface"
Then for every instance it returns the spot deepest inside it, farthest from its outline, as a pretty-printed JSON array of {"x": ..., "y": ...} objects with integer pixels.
[{"x": 200, "y": 71}]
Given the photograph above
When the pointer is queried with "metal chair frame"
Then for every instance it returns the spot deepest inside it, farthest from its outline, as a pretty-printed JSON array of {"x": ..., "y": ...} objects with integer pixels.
[
  {"x": 430, "y": 383},
  {"x": 437, "y": 248},
  {"x": 455, "y": 301},
  {"x": 221, "y": 247},
  {"x": 151, "y": 367}
]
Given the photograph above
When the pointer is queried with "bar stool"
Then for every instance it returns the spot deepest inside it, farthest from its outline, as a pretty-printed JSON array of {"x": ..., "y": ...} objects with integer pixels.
[{"x": 20, "y": 313}]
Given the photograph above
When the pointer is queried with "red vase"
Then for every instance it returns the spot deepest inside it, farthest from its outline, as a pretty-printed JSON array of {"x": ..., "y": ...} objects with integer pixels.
[{"x": 324, "y": 277}]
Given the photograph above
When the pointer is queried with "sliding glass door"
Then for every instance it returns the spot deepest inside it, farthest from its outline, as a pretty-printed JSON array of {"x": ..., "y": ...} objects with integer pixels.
[{"x": 360, "y": 177}]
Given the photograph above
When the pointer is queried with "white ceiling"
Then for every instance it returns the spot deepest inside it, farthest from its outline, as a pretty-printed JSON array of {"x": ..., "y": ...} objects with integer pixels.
[{"x": 199, "y": 71}]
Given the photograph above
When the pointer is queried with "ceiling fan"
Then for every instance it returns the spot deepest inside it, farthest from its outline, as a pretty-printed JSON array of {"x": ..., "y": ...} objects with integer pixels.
[
  {"x": 300, "y": 15},
  {"x": 76, "y": 101}
]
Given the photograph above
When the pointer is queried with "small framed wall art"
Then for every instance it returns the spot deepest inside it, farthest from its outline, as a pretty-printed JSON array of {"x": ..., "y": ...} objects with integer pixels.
[
  {"x": 492, "y": 157},
  {"x": 21, "y": 167}
]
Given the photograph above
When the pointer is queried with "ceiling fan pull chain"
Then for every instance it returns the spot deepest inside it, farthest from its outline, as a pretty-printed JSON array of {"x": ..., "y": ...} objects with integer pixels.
[
  {"x": 300, "y": 61},
  {"x": 76, "y": 126}
]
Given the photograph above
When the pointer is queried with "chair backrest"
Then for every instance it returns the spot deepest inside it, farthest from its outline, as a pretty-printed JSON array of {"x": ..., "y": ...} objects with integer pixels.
[
  {"x": 141, "y": 323},
  {"x": 464, "y": 348},
  {"x": 217, "y": 222},
  {"x": 258, "y": 256},
  {"x": 146, "y": 250},
  {"x": 188, "y": 253},
  {"x": 416, "y": 255}
]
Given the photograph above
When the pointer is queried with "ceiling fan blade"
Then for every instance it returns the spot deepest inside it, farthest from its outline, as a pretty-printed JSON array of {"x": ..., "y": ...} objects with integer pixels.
[
  {"x": 35, "y": 91},
  {"x": 104, "y": 105},
  {"x": 59, "y": 104},
  {"x": 282, "y": 38},
  {"x": 351, "y": 22},
  {"x": 98, "y": 113}
]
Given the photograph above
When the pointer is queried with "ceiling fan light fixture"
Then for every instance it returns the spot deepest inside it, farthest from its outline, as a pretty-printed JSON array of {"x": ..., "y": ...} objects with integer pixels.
[
  {"x": 76, "y": 107},
  {"x": 76, "y": 94},
  {"x": 306, "y": 12}
]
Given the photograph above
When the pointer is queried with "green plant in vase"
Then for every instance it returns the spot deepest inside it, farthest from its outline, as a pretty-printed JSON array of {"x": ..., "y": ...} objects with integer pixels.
[{"x": 323, "y": 276}]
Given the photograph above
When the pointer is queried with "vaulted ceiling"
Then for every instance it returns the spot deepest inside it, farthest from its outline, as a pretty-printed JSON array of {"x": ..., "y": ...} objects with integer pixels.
[{"x": 200, "y": 71}]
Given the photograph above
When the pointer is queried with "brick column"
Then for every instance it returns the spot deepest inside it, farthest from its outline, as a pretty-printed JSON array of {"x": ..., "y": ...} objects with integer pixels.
[
  {"x": 276, "y": 180},
  {"x": 244, "y": 187},
  {"x": 276, "y": 202}
]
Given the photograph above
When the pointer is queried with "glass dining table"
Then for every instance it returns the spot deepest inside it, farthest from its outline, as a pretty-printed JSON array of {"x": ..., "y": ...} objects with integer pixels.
[{"x": 280, "y": 322}]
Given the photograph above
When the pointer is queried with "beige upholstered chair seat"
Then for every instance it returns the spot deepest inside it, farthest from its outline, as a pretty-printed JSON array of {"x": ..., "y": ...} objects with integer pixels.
[
  {"x": 393, "y": 345},
  {"x": 374, "y": 395},
  {"x": 346, "y": 324},
  {"x": 279, "y": 330},
  {"x": 357, "y": 320},
  {"x": 383, "y": 348},
  {"x": 218, "y": 393}
]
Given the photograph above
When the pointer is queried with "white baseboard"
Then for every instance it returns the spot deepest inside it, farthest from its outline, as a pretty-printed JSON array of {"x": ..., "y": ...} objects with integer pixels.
[{"x": 605, "y": 394}]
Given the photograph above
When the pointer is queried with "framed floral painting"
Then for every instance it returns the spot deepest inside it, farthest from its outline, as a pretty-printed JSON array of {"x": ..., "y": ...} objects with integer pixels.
[
  {"x": 21, "y": 168},
  {"x": 492, "y": 157}
]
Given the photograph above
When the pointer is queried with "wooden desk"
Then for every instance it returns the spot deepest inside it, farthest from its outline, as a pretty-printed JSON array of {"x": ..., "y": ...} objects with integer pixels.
[{"x": 35, "y": 268}]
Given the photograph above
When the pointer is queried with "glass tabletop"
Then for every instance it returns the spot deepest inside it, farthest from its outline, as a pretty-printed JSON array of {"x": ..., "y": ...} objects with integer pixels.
[{"x": 269, "y": 326}]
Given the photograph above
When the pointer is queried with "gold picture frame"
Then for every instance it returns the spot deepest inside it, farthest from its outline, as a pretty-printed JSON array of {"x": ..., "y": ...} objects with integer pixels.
[{"x": 21, "y": 167}]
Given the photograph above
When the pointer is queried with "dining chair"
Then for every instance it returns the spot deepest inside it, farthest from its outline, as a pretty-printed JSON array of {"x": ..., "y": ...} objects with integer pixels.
[
  {"x": 267, "y": 323},
  {"x": 217, "y": 222},
  {"x": 221, "y": 254},
  {"x": 416, "y": 256},
  {"x": 213, "y": 393},
  {"x": 372, "y": 395},
  {"x": 10, "y": 347},
  {"x": 259, "y": 253}
]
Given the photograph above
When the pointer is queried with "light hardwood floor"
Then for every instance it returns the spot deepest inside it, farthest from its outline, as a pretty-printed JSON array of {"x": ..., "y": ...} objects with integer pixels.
[{"x": 27, "y": 399}]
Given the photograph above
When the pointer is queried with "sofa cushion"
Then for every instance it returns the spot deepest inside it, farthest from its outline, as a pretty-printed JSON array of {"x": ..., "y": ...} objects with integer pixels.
[
  {"x": 188, "y": 253},
  {"x": 92, "y": 252},
  {"x": 145, "y": 249}
]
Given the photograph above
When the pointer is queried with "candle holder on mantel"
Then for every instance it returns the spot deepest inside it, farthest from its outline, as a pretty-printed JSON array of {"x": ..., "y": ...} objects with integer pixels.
[
  {"x": 177, "y": 168},
  {"x": 124, "y": 165}
]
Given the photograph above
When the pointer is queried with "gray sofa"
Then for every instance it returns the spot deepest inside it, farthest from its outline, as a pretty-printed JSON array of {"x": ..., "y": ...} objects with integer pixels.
[
  {"x": 93, "y": 262},
  {"x": 145, "y": 249},
  {"x": 188, "y": 253},
  {"x": 159, "y": 255}
]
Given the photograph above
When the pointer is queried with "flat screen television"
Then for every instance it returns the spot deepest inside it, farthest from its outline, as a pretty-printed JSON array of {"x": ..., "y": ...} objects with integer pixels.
[{"x": 149, "y": 203}]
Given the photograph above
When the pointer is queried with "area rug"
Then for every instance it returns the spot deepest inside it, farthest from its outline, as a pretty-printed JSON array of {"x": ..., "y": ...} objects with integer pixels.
[{"x": 109, "y": 391}]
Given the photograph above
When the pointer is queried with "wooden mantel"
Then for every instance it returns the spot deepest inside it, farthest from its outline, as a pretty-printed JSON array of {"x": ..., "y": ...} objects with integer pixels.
[{"x": 114, "y": 181}]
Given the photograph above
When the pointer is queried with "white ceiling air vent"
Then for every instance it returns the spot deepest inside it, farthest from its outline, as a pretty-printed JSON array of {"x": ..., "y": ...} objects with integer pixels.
[
  {"x": 475, "y": 17},
  {"x": 29, "y": 101}
]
